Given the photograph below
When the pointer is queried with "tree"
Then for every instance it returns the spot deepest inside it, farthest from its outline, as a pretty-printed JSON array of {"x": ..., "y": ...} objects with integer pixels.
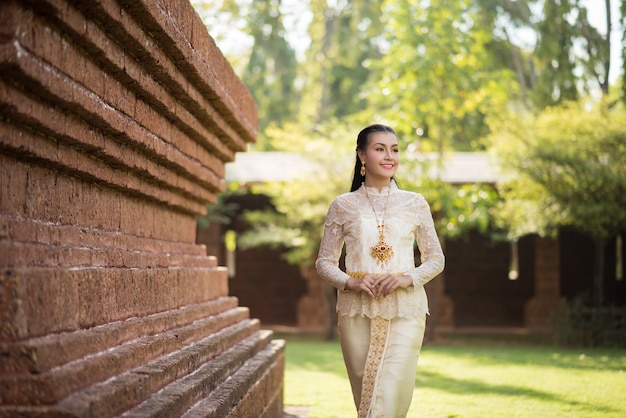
[
  {"x": 345, "y": 39},
  {"x": 561, "y": 58},
  {"x": 623, "y": 30},
  {"x": 457, "y": 208},
  {"x": 271, "y": 71},
  {"x": 436, "y": 81},
  {"x": 569, "y": 170}
]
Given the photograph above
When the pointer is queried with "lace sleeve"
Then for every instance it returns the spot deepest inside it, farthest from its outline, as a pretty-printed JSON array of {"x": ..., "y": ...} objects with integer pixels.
[
  {"x": 429, "y": 246},
  {"x": 327, "y": 263}
]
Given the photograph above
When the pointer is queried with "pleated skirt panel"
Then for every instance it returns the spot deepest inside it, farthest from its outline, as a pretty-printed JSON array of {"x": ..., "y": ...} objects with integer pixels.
[{"x": 381, "y": 359}]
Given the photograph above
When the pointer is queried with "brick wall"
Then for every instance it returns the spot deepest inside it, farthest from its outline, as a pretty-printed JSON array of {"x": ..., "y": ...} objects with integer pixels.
[
  {"x": 117, "y": 118},
  {"x": 476, "y": 280},
  {"x": 269, "y": 286}
]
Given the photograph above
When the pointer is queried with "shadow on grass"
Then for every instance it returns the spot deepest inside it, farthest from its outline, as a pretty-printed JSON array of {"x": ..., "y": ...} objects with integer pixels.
[
  {"x": 444, "y": 383},
  {"x": 560, "y": 358},
  {"x": 326, "y": 355},
  {"x": 315, "y": 355}
]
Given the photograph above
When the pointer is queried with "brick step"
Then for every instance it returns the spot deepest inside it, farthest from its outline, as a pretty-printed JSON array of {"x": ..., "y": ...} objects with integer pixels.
[
  {"x": 125, "y": 391},
  {"x": 35, "y": 231},
  {"x": 253, "y": 391},
  {"x": 213, "y": 381},
  {"x": 39, "y": 355},
  {"x": 37, "y": 255},
  {"x": 60, "y": 382},
  {"x": 71, "y": 300}
]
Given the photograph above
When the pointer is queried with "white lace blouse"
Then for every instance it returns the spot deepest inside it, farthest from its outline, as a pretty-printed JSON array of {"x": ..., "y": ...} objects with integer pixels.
[{"x": 352, "y": 221}]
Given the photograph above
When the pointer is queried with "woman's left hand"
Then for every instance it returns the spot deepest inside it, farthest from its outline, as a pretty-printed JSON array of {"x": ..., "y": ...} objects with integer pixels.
[{"x": 388, "y": 283}]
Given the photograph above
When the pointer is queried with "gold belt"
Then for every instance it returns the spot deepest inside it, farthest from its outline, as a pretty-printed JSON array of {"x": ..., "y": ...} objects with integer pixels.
[{"x": 361, "y": 274}]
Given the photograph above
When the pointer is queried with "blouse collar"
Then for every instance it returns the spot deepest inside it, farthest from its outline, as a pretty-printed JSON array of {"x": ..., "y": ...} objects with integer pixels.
[{"x": 383, "y": 192}]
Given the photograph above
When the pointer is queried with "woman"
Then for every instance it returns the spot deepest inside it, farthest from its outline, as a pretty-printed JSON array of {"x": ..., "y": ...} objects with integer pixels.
[{"x": 381, "y": 301}]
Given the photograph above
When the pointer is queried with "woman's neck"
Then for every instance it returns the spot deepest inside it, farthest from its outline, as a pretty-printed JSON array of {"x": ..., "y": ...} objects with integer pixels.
[{"x": 377, "y": 183}]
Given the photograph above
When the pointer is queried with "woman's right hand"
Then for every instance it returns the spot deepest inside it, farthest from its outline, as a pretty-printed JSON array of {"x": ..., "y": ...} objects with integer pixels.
[{"x": 365, "y": 284}]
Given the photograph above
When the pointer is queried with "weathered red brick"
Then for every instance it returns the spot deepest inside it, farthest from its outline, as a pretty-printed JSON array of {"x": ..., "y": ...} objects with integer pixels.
[{"x": 110, "y": 146}]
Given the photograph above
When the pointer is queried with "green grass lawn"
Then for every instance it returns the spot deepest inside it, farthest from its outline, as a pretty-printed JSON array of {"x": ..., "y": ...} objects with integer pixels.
[{"x": 471, "y": 379}]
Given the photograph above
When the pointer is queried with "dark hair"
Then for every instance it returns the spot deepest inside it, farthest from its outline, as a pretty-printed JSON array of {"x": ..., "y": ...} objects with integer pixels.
[{"x": 361, "y": 144}]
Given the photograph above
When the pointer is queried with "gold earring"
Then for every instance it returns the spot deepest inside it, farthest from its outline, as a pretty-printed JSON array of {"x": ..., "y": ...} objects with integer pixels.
[{"x": 362, "y": 169}]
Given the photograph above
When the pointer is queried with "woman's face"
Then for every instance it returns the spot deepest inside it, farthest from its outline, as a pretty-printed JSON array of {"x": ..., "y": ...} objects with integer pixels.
[{"x": 381, "y": 156}]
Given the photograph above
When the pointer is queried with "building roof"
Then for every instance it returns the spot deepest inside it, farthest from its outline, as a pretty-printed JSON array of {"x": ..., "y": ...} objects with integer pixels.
[
  {"x": 465, "y": 167},
  {"x": 256, "y": 167}
]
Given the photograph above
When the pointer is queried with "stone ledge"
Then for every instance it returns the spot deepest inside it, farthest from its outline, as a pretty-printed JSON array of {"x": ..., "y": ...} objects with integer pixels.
[
  {"x": 207, "y": 69},
  {"x": 43, "y": 256},
  {"x": 117, "y": 119},
  {"x": 47, "y": 244},
  {"x": 128, "y": 373},
  {"x": 36, "y": 302},
  {"x": 61, "y": 140},
  {"x": 264, "y": 399},
  {"x": 229, "y": 399},
  {"x": 38, "y": 355},
  {"x": 190, "y": 390},
  {"x": 219, "y": 354},
  {"x": 47, "y": 196}
]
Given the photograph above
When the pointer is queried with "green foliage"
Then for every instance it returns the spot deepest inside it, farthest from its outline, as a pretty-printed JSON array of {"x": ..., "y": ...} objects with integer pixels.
[
  {"x": 443, "y": 74},
  {"x": 562, "y": 57},
  {"x": 527, "y": 208},
  {"x": 622, "y": 22},
  {"x": 272, "y": 68},
  {"x": 568, "y": 166},
  {"x": 457, "y": 209},
  {"x": 464, "y": 208},
  {"x": 556, "y": 79},
  {"x": 295, "y": 225},
  {"x": 437, "y": 80},
  {"x": 344, "y": 41},
  {"x": 579, "y": 325},
  {"x": 221, "y": 212},
  {"x": 301, "y": 204}
]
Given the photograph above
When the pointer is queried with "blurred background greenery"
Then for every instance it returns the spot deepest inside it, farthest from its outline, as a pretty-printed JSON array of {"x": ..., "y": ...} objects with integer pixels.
[{"x": 536, "y": 85}]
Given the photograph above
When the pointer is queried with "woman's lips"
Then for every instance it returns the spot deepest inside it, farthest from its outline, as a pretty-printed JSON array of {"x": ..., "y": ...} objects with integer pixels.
[{"x": 387, "y": 166}]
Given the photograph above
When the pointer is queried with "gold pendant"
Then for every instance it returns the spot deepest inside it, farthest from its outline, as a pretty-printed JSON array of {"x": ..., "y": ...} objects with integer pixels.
[{"x": 382, "y": 252}]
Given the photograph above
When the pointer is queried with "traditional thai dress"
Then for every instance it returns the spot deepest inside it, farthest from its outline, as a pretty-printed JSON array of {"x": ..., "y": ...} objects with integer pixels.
[{"x": 380, "y": 338}]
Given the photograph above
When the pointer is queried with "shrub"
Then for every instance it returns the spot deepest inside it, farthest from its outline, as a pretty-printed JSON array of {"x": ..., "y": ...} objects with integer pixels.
[{"x": 579, "y": 324}]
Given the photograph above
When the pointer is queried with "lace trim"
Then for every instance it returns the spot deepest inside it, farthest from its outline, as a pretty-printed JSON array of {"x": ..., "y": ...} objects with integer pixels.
[{"x": 361, "y": 274}]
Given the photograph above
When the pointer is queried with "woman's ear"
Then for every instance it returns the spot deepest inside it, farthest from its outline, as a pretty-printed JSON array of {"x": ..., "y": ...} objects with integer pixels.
[{"x": 361, "y": 155}]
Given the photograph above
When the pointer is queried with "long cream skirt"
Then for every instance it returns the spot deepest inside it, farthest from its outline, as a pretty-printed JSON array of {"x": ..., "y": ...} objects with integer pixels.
[{"x": 381, "y": 358}]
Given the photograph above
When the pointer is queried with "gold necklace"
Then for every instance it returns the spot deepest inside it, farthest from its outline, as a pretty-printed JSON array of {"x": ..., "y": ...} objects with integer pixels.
[{"x": 381, "y": 252}]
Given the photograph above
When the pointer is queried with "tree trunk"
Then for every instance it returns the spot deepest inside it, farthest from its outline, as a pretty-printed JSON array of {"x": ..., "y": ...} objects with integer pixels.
[{"x": 598, "y": 272}]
